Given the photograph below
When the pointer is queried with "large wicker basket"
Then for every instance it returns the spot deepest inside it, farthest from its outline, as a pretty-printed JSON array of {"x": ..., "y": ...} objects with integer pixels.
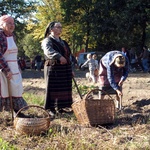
[
  {"x": 32, "y": 124},
  {"x": 93, "y": 112}
]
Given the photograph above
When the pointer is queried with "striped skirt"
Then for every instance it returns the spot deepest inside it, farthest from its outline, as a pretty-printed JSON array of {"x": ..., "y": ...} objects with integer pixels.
[{"x": 58, "y": 86}]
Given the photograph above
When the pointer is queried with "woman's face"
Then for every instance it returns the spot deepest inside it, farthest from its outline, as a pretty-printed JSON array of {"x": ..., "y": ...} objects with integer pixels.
[
  {"x": 57, "y": 29},
  {"x": 8, "y": 27}
]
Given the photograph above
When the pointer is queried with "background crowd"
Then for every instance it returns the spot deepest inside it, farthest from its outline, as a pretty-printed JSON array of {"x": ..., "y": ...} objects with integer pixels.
[{"x": 139, "y": 61}]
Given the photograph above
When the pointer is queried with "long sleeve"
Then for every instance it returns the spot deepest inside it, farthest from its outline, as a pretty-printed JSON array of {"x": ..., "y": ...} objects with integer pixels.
[
  {"x": 125, "y": 72},
  {"x": 47, "y": 47},
  {"x": 111, "y": 78},
  {"x": 85, "y": 63},
  {"x": 3, "y": 46}
]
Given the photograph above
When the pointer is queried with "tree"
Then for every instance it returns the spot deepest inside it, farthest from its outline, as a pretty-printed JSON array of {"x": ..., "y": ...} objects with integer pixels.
[
  {"x": 94, "y": 24},
  {"x": 47, "y": 11},
  {"x": 79, "y": 14},
  {"x": 132, "y": 21},
  {"x": 109, "y": 23},
  {"x": 31, "y": 50}
]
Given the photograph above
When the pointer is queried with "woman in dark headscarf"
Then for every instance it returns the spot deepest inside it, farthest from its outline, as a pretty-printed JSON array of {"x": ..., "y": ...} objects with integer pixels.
[{"x": 57, "y": 69}]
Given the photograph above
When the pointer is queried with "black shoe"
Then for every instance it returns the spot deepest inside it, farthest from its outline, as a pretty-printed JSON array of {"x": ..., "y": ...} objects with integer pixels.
[{"x": 65, "y": 110}]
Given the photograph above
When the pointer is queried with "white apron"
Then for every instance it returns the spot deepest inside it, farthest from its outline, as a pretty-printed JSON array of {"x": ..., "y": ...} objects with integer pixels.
[{"x": 16, "y": 86}]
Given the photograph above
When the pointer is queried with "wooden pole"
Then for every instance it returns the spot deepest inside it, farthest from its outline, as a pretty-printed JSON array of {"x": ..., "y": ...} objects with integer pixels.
[
  {"x": 77, "y": 88},
  {"x": 10, "y": 98},
  {"x": 120, "y": 102}
]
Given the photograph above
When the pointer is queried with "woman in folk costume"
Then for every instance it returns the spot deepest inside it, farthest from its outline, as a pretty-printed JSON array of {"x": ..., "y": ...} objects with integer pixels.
[
  {"x": 113, "y": 71},
  {"x": 57, "y": 70},
  {"x": 9, "y": 69}
]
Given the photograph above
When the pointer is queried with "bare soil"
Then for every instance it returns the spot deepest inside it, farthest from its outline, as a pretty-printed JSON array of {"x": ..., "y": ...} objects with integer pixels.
[
  {"x": 135, "y": 89},
  {"x": 132, "y": 124}
]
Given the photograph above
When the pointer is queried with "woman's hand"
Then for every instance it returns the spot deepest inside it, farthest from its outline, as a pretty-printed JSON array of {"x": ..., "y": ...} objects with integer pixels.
[
  {"x": 9, "y": 75},
  {"x": 119, "y": 93},
  {"x": 63, "y": 60},
  {"x": 120, "y": 83}
]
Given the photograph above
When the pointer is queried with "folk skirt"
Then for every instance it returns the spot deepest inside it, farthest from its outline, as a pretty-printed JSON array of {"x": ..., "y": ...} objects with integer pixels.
[{"x": 58, "y": 80}]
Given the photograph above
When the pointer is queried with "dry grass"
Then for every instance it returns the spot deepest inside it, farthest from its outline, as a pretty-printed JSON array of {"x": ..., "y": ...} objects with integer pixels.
[
  {"x": 66, "y": 134},
  {"x": 129, "y": 132}
]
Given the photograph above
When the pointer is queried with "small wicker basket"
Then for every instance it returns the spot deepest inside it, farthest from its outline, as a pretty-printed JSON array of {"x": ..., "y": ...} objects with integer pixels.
[
  {"x": 93, "y": 112},
  {"x": 32, "y": 125}
]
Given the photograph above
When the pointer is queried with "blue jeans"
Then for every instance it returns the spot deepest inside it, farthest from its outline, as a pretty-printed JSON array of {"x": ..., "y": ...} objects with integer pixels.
[
  {"x": 38, "y": 65},
  {"x": 145, "y": 64}
]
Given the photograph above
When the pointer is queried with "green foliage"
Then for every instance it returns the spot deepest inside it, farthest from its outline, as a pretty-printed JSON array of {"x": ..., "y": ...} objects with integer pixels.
[
  {"x": 31, "y": 46},
  {"x": 132, "y": 22},
  {"x": 89, "y": 24},
  {"x": 109, "y": 24},
  {"x": 84, "y": 89},
  {"x": 47, "y": 11},
  {"x": 6, "y": 146},
  {"x": 18, "y": 8},
  {"x": 34, "y": 99}
]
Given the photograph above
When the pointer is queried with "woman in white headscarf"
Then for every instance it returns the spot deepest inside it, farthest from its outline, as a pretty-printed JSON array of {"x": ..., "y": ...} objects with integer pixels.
[{"x": 9, "y": 69}]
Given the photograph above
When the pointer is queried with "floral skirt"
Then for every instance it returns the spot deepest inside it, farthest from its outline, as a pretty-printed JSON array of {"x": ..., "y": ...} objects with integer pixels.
[{"x": 18, "y": 103}]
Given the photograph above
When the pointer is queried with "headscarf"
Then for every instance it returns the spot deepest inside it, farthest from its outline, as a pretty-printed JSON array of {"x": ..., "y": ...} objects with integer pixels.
[
  {"x": 115, "y": 56},
  {"x": 6, "y": 18},
  {"x": 120, "y": 61},
  {"x": 48, "y": 28}
]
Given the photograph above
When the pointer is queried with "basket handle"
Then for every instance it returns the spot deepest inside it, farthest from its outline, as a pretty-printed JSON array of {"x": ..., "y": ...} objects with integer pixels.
[
  {"x": 97, "y": 90},
  {"x": 31, "y": 106}
]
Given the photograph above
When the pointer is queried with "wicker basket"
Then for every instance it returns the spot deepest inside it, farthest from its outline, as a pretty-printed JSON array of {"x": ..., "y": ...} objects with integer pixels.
[
  {"x": 32, "y": 125},
  {"x": 93, "y": 112}
]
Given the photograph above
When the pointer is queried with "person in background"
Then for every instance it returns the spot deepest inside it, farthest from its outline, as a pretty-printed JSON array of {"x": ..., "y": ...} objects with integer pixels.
[
  {"x": 74, "y": 62},
  {"x": 9, "y": 69},
  {"x": 32, "y": 64},
  {"x": 126, "y": 52},
  {"x": 144, "y": 58},
  {"x": 133, "y": 60},
  {"x": 38, "y": 62},
  {"x": 96, "y": 67},
  {"x": 96, "y": 61},
  {"x": 113, "y": 71},
  {"x": 92, "y": 66},
  {"x": 57, "y": 70},
  {"x": 22, "y": 63}
]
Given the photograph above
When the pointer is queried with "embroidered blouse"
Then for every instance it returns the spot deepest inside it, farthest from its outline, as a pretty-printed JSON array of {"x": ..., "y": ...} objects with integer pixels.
[{"x": 3, "y": 47}]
